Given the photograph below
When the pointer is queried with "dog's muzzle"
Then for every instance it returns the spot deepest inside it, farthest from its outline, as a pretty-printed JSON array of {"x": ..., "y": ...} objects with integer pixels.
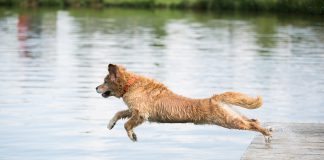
[{"x": 106, "y": 94}]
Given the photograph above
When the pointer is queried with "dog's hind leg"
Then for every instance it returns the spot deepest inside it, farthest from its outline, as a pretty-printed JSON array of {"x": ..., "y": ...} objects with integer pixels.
[
  {"x": 252, "y": 125},
  {"x": 267, "y": 132},
  {"x": 119, "y": 115},
  {"x": 255, "y": 126},
  {"x": 133, "y": 122}
]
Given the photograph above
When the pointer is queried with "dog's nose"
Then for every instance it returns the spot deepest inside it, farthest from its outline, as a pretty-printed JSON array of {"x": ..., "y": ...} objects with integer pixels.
[{"x": 96, "y": 88}]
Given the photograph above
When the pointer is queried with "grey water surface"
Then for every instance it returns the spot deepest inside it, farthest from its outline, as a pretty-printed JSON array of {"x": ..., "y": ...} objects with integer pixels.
[{"x": 52, "y": 60}]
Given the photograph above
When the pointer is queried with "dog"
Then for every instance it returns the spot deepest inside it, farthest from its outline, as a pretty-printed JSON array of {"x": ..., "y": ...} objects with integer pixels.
[{"x": 149, "y": 100}]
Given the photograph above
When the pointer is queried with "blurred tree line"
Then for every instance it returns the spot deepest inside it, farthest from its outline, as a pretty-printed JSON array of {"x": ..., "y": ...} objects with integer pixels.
[
  {"x": 52, "y": 3},
  {"x": 292, "y": 6}
]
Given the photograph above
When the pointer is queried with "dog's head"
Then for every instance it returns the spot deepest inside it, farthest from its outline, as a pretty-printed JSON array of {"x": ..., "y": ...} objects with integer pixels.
[{"x": 114, "y": 82}]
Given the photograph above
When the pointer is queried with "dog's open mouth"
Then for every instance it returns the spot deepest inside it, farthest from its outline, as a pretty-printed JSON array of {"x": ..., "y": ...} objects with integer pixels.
[{"x": 106, "y": 94}]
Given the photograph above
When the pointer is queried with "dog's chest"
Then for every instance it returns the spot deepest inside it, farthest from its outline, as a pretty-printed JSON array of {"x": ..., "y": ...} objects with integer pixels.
[
  {"x": 135, "y": 102},
  {"x": 129, "y": 103}
]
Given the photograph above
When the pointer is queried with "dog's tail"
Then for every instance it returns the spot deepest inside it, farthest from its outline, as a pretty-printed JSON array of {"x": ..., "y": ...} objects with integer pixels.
[{"x": 239, "y": 99}]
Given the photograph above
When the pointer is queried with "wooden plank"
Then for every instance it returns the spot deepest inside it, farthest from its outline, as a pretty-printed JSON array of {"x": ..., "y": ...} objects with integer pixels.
[{"x": 290, "y": 141}]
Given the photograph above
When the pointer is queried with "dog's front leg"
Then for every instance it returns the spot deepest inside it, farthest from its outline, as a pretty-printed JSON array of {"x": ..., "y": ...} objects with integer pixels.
[
  {"x": 134, "y": 121},
  {"x": 119, "y": 115}
]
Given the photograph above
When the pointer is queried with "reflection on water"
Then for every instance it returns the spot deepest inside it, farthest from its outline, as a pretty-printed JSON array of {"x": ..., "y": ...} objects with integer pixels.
[{"x": 51, "y": 61}]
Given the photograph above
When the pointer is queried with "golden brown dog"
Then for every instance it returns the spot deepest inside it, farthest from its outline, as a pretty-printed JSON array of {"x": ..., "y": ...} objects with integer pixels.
[{"x": 150, "y": 100}]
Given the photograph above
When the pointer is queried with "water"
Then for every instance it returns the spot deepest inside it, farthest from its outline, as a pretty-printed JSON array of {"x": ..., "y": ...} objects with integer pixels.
[{"x": 52, "y": 60}]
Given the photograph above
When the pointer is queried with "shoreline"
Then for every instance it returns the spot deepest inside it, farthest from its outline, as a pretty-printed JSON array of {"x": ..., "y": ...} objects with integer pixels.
[{"x": 312, "y": 7}]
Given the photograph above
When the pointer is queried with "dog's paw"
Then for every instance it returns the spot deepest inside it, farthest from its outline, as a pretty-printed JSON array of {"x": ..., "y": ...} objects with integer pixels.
[
  {"x": 267, "y": 139},
  {"x": 270, "y": 129},
  {"x": 132, "y": 136},
  {"x": 111, "y": 124}
]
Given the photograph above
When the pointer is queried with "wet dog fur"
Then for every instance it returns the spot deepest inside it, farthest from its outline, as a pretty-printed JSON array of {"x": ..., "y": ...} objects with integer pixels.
[{"x": 149, "y": 100}]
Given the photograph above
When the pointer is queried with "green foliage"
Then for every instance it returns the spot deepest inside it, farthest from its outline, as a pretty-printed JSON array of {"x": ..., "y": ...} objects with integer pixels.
[
  {"x": 51, "y": 3},
  {"x": 293, "y": 6},
  {"x": 9, "y": 2}
]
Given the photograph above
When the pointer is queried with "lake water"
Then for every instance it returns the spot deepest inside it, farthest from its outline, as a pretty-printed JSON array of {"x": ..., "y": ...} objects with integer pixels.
[{"x": 52, "y": 60}]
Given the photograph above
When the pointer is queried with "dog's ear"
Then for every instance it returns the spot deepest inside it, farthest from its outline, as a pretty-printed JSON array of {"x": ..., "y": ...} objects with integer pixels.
[{"x": 113, "y": 71}]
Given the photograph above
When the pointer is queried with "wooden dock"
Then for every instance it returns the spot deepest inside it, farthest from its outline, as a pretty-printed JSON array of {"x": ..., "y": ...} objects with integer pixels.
[{"x": 290, "y": 141}]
